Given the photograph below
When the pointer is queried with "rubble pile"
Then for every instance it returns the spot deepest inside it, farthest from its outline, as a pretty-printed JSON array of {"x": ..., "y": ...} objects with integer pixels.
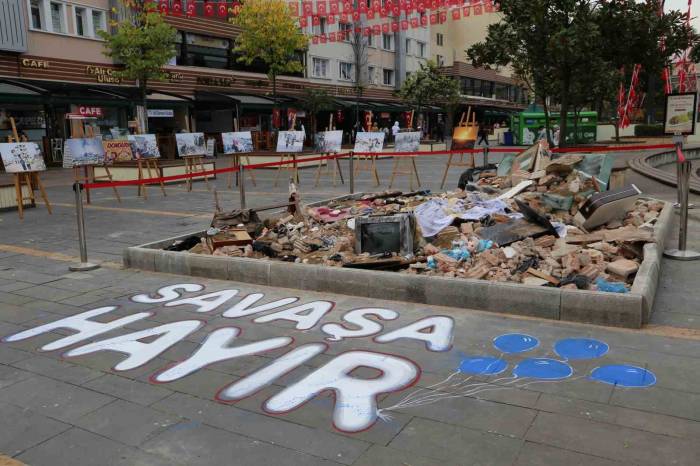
[{"x": 525, "y": 225}]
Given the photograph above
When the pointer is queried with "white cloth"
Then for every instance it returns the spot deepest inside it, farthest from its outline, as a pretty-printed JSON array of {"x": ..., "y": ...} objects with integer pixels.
[
  {"x": 435, "y": 215},
  {"x": 395, "y": 129}
]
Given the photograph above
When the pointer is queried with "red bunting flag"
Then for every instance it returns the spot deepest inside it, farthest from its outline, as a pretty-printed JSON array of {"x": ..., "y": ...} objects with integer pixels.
[
  {"x": 433, "y": 19},
  {"x": 420, "y": 7},
  {"x": 376, "y": 29},
  {"x": 424, "y": 20},
  {"x": 442, "y": 15},
  {"x": 414, "y": 23},
  {"x": 396, "y": 10},
  {"x": 331, "y": 19},
  {"x": 294, "y": 9},
  {"x": 404, "y": 25},
  {"x": 465, "y": 11},
  {"x": 367, "y": 31},
  {"x": 334, "y": 7},
  {"x": 209, "y": 9},
  {"x": 394, "y": 27},
  {"x": 163, "y": 7},
  {"x": 308, "y": 8},
  {"x": 455, "y": 14},
  {"x": 323, "y": 38},
  {"x": 455, "y": 2},
  {"x": 488, "y": 6},
  {"x": 363, "y": 8},
  {"x": 315, "y": 20},
  {"x": 343, "y": 17},
  {"x": 347, "y": 7},
  {"x": 191, "y": 9},
  {"x": 434, "y": 4},
  {"x": 331, "y": 36},
  {"x": 370, "y": 14},
  {"x": 356, "y": 16},
  {"x": 383, "y": 13},
  {"x": 385, "y": 28},
  {"x": 442, "y": 3},
  {"x": 177, "y": 8},
  {"x": 477, "y": 10},
  {"x": 303, "y": 22},
  {"x": 314, "y": 40},
  {"x": 376, "y": 5},
  {"x": 222, "y": 8},
  {"x": 321, "y": 7}
]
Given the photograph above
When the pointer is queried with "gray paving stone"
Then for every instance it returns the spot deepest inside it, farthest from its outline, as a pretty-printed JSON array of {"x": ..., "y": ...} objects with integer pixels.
[
  {"x": 384, "y": 456},
  {"x": 24, "y": 428},
  {"x": 17, "y": 314},
  {"x": 127, "y": 389},
  {"x": 9, "y": 355},
  {"x": 57, "y": 369},
  {"x": 10, "y": 375},
  {"x": 52, "y": 398},
  {"x": 197, "y": 444},
  {"x": 533, "y": 454},
  {"x": 126, "y": 422},
  {"x": 48, "y": 293},
  {"x": 27, "y": 276},
  {"x": 316, "y": 442},
  {"x": 77, "y": 447},
  {"x": 52, "y": 307},
  {"x": 455, "y": 444},
  {"x": 611, "y": 441},
  {"x": 659, "y": 400},
  {"x": 12, "y": 298},
  {"x": 14, "y": 285}
]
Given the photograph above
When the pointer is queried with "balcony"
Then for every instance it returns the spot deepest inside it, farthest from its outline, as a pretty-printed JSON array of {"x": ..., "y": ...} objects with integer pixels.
[{"x": 13, "y": 29}]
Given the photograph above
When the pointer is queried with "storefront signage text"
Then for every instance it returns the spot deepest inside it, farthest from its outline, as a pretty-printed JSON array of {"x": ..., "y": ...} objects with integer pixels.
[
  {"x": 173, "y": 77},
  {"x": 31, "y": 63},
  {"x": 86, "y": 111},
  {"x": 103, "y": 74},
  {"x": 160, "y": 113},
  {"x": 215, "y": 81}
]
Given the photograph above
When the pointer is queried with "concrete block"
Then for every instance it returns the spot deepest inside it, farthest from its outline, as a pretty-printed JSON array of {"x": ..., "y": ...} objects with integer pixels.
[
  {"x": 291, "y": 275},
  {"x": 242, "y": 269},
  {"x": 141, "y": 258},
  {"x": 662, "y": 228},
  {"x": 646, "y": 281},
  {"x": 396, "y": 286},
  {"x": 344, "y": 281},
  {"x": 594, "y": 307},
  {"x": 172, "y": 262},
  {"x": 201, "y": 265}
]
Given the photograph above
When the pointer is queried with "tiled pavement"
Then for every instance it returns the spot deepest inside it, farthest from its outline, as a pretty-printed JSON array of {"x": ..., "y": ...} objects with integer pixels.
[{"x": 78, "y": 411}]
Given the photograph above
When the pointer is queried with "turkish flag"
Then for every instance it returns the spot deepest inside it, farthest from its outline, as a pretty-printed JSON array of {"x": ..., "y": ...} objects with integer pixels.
[
  {"x": 370, "y": 14},
  {"x": 163, "y": 7},
  {"x": 420, "y": 7},
  {"x": 347, "y": 7},
  {"x": 222, "y": 8},
  {"x": 396, "y": 10},
  {"x": 376, "y": 29},
  {"x": 334, "y": 7},
  {"x": 455, "y": 2},
  {"x": 303, "y": 22},
  {"x": 355, "y": 16},
  {"x": 315, "y": 20},
  {"x": 404, "y": 25},
  {"x": 191, "y": 9},
  {"x": 343, "y": 17},
  {"x": 177, "y": 8},
  {"x": 331, "y": 36},
  {"x": 385, "y": 28},
  {"x": 424, "y": 20},
  {"x": 414, "y": 22},
  {"x": 376, "y": 5},
  {"x": 465, "y": 11},
  {"x": 394, "y": 27},
  {"x": 307, "y": 8},
  {"x": 321, "y": 7},
  {"x": 363, "y": 8},
  {"x": 455, "y": 14},
  {"x": 488, "y": 6},
  {"x": 314, "y": 40},
  {"x": 367, "y": 31},
  {"x": 383, "y": 12},
  {"x": 434, "y": 4},
  {"x": 324, "y": 39},
  {"x": 209, "y": 9},
  {"x": 443, "y": 16},
  {"x": 477, "y": 10},
  {"x": 433, "y": 19},
  {"x": 331, "y": 19}
]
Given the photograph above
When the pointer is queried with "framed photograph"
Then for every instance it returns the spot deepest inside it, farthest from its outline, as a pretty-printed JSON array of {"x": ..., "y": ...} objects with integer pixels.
[
  {"x": 290, "y": 141},
  {"x": 85, "y": 151},
  {"x": 237, "y": 142},
  {"x": 328, "y": 142},
  {"x": 369, "y": 142},
  {"x": 464, "y": 137},
  {"x": 117, "y": 151},
  {"x": 121, "y": 134},
  {"x": 407, "y": 142},
  {"x": 191, "y": 144},
  {"x": 144, "y": 146},
  {"x": 680, "y": 113},
  {"x": 22, "y": 157}
]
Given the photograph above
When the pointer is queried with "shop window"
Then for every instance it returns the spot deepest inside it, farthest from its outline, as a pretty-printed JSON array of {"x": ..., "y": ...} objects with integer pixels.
[
  {"x": 387, "y": 42},
  {"x": 58, "y": 18},
  {"x": 440, "y": 39},
  {"x": 370, "y": 40},
  {"x": 372, "y": 74},
  {"x": 502, "y": 91},
  {"x": 346, "y": 71},
  {"x": 388, "y": 76},
  {"x": 421, "y": 49},
  {"x": 320, "y": 67},
  {"x": 205, "y": 51}
]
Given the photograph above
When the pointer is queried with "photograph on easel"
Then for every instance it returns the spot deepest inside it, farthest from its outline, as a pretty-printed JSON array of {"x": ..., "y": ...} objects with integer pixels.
[
  {"x": 369, "y": 142},
  {"x": 21, "y": 157},
  {"x": 290, "y": 141},
  {"x": 328, "y": 142},
  {"x": 407, "y": 142},
  {"x": 191, "y": 144},
  {"x": 86, "y": 151},
  {"x": 144, "y": 146},
  {"x": 117, "y": 151},
  {"x": 237, "y": 142}
]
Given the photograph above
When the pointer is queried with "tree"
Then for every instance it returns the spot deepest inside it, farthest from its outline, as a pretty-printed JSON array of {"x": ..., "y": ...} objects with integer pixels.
[
  {"x": 560, "y": 47},
  {"x": 314, "y": 101},
  {"x": 428, "y": 86},
  {"x": 143, "y": 43},
  {"x": 270, "y": 34}
]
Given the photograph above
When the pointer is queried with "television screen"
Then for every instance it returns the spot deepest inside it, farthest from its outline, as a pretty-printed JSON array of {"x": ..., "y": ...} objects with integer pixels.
[{"x": 378, "y": 238}]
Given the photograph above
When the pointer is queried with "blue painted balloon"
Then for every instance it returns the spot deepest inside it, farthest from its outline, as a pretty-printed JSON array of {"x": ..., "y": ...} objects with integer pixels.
[
  {"x": 515, "y": 343},
  {"x": 482, "y": 365},
  {"x": 543, "y": 368},
  {"x": 580, "y": 348},
  {"x": 624, "y": 375}
]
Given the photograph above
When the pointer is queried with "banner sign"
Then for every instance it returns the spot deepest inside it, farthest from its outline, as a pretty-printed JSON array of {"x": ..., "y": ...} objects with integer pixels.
[{"x": 680, "y": 113}]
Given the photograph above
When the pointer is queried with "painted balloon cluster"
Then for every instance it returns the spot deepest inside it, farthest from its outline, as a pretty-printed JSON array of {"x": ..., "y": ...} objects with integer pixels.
[{"x": 568, "y": 349}]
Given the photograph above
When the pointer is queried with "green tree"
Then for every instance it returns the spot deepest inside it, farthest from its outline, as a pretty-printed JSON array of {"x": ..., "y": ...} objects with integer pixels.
[
  {"x": 270, "y": 34},
  {"x": 143, "y": 43},
  {"x": 428, "y": 86},
  {"x": 560, "y": 47},
  {"x": 314, "y": 101}
]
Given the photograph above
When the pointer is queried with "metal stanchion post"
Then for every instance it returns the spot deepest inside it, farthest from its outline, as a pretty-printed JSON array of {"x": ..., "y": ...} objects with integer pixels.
[
  {"x": 352, "y": 172},
  {"x": 84, "y": 265},
  {"x": 241, "y": 185},
  {"x": 486, "y": 156},
  {"x": 683, "y": 182}
]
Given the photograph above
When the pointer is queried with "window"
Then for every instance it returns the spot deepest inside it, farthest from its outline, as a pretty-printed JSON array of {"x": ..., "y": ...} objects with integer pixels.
[
  {"x": 320, "y": 67},
  {"x": 99, "y": 22},
  {"x": 370, "y": 40},
  {"x": 421, "y": 49},
  {"x": 408, "y": 46},
  {"x": 440, "y": 60},
  {"x": 440, "y": 39},
  {"x": 58, "y": 20},
  {"x": 387, "y": 42},
  {"x": 346, "y": 71},
  {"x": 372, "y": 74},
  {"x": 322, "y": 27},
  {"x": 81, "y": 21},
  {"x": 388, "y": 76},
  {"x": 36, "y": 8},
  {"x": 347, "y": 29}
]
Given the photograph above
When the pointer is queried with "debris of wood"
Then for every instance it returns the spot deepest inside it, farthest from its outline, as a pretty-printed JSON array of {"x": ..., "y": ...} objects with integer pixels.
[{"x": 543, "y": 276}]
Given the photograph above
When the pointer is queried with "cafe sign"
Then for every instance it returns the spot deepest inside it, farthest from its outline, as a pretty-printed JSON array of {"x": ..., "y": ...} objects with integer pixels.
[
  {"x": 103, "y": 74},
  {"x": 32, "y": 63},
  {"x": 86, "y": 111}
]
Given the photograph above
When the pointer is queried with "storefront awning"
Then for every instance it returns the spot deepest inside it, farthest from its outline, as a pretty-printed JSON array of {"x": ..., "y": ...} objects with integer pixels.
[
  {"x": 167, "y": 97},
  {"x": 242, "y": 100}
]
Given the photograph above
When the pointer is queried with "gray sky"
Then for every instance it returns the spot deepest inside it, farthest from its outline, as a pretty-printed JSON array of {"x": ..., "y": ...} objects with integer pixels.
[{"x": 683, "y": 6}]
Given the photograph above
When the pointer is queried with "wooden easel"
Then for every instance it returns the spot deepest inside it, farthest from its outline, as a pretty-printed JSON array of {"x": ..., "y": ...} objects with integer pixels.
[
  {"x": 410, "y": 169},
  {"x": 336, "y": 170},
  {"x": 471, "y": 163},
  {"x": 367, "y": 163},
  {"x": 150, "y": 164},
  {"x": 25, "y": 178},
  {"x": 194, "y": 164},
  {"x": 290, "y": 167},
  {"x": 88, "y": 171},
  {"x": 236, "y": 162}
]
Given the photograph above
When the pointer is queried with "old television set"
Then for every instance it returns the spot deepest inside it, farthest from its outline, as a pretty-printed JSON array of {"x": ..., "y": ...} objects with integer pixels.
[{"x": 388, "y": 233}]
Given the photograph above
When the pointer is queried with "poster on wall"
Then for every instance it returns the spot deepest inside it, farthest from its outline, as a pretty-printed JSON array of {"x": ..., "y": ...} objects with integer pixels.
[
  {"x": 191, "y": 144},
  {"x": 328, "y": 142},
  {"x": 407, "y": 142},
  {"x": 117, "y": 151},
  {"x": 144, "y": 146},
  {"x": 290, "y": 141},
  {"x": 369, "y": 142},
  {"x": 237, "y": 142},
  {"x": 22, "y": 157},
  {"x": 84, "y": 151},
  {"x": 679, "y": 116}
]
